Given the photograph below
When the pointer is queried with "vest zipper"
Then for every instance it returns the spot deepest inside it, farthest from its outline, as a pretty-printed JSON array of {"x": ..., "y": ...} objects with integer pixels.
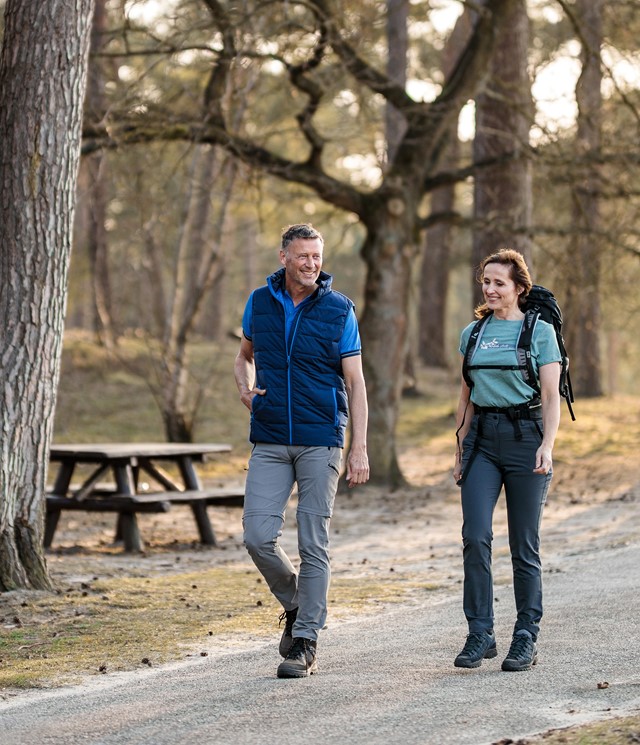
[{"x": 289, "y": 346}]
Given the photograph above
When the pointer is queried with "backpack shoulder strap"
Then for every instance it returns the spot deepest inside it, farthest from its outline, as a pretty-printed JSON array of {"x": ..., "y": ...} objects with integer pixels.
[
  {"x": 471, "y": 346},
  {"x": 525, "y": 361}
]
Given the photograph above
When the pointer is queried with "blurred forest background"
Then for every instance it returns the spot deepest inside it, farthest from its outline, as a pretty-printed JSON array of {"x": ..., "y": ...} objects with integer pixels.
[{"x": 414, "y": 137}]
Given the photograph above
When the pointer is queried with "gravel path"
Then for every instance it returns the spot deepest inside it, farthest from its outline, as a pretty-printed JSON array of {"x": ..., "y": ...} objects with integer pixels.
[{"x": 383, "y": 679}]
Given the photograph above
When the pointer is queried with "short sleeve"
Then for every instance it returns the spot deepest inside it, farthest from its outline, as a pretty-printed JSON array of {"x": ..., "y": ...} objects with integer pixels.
[
  {"x": 547, "y": 349},
  {"x": 247, "y": 317},
  {"x": 350, "y": 344},
  {"x": 464, "y": 337}
]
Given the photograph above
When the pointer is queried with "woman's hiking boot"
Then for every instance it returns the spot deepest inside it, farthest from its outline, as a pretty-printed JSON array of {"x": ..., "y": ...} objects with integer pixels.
[
  {"x": 523, "y": 653},
  {"x": 480, "y": 645}
]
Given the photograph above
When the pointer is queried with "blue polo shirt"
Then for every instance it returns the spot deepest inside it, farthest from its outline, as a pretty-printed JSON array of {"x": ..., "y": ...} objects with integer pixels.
[{"x": 349, "y": 345}]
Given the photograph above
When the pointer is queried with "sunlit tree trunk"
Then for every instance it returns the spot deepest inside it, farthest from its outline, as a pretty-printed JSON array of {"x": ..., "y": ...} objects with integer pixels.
[
  {"x": 198, "y": 264},
  {"x": 502, "y": 191},
  {"x": 397, "y": 45},
  {"x": 434, "y": 270},
  {"x": 96, "y": 195},
  {"x": 388, "y": 255},
  {"x": 582, "y": 311},
  {"x": 42, "y": 82},
  {"x": 396, "y": 126}
]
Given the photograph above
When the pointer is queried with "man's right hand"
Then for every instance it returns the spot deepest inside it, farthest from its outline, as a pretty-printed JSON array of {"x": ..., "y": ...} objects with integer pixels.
[{"x": 247, "y": 396}]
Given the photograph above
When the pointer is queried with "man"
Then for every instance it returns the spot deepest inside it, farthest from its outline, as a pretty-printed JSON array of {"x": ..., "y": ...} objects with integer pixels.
[{"x": 299, "y": 372}]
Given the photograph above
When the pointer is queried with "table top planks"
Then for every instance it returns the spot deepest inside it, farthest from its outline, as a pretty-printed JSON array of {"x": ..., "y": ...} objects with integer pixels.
[{"x": 109, "y": 451}]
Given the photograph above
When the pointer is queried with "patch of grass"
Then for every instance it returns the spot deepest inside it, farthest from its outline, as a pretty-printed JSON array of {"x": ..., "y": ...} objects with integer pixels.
[
  {"x": 126, "y": 622},
  {"x": 111, "y": 399},
  {"x": 613, "y": 732},
  {"x": 603, "y": 426}
]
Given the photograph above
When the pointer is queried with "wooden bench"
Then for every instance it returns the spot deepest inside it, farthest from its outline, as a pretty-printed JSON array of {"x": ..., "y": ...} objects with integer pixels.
[{"x": 128, "y": 505}]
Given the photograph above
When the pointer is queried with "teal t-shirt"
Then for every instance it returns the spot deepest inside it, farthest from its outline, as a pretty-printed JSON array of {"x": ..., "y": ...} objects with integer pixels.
[{"x": 497, "y": 345}]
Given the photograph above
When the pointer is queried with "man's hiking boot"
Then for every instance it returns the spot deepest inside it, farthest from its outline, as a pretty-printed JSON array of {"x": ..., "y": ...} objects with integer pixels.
[
  {"x": 522, "y": 653},
  {"x": 286, "y": 640},
  {"x": 301, "y": 660},
  {"x": 480, "y": 645}
]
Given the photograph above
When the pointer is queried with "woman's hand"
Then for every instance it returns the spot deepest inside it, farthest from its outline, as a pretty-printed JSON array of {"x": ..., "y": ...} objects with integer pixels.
[
  {"x": 457, "y": 468},
  {"x": 544, "y": 461}
]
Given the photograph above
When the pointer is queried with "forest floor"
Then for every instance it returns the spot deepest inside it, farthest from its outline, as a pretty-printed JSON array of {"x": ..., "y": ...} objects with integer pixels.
[{"x": 112, "y": 611}]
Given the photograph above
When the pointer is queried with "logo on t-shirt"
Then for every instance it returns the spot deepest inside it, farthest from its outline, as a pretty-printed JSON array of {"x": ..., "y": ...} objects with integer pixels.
[{"x": 495, "y": 344}]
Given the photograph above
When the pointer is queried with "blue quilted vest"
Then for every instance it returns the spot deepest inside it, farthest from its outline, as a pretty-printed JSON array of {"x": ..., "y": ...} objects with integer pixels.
[{"x": 306, "y": 399}]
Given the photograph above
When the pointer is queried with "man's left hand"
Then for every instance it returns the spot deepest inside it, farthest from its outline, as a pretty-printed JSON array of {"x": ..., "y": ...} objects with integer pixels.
[{"x": 357, "y": 468}]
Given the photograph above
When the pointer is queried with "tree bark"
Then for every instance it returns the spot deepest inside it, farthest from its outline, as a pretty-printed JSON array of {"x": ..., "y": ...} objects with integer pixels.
[
  {"x": 96, "y": 164},
  {"x": 198, "y": 264},
  {"x": 42, "y": 82},
  {"x": 398, "y": 46},
  {"x": 434, "y": 270},
  {"x": 388, "y": 253},
  {"x": 582, "y": 309},
  {"x": 502, "y": 191}
]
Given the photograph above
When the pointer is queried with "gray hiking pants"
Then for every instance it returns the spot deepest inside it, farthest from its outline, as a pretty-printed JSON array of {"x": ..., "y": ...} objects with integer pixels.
[
  {"x": 273, "y": 470},
  {"x": 503, "y": 460}
]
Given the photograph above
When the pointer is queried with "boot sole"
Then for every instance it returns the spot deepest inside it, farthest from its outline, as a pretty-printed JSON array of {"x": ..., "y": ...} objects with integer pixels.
[
  {"x": 284, "y": 671},
  {"x": 514, "y": 667},
  {"x": 488, "y": 655}
]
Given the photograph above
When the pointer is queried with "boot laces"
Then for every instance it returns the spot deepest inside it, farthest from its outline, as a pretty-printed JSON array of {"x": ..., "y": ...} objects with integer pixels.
[
  {"x": 300, "y": 646},
  {"x": 521, "y": 647},
  {"x": 475, "y": 641},
  {"x": 289, "y": 617}
]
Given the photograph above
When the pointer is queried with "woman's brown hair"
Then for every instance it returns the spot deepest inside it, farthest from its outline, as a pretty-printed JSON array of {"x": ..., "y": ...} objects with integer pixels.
[{"x": 518, "y": 271}]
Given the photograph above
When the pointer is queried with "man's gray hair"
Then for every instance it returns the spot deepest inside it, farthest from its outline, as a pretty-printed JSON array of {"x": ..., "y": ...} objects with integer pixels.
[{"x": 294, "y": 232}]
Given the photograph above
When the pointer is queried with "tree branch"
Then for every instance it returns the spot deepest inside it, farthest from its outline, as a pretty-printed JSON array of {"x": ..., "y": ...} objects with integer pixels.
[{"x": 140, "y": 131}]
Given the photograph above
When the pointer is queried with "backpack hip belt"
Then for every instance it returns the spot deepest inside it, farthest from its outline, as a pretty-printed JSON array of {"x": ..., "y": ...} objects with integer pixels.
[{"x": 529, "y": 410}]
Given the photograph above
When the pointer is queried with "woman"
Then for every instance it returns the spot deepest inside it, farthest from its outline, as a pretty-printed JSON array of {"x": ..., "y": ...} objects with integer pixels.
[{"x": 505, "y": 438}]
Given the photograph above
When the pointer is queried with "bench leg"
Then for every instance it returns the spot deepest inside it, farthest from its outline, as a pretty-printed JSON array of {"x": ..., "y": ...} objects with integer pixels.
[
  {"x": 207, "y": 536},
  {"x": 51, "y": 523},
  {"x": 127, "y": 526},
  {"x": 128, "y": 529}
]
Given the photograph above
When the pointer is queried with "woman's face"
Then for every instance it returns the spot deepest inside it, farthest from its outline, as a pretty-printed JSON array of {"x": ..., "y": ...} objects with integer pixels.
[{"x": 500, "y": 291}]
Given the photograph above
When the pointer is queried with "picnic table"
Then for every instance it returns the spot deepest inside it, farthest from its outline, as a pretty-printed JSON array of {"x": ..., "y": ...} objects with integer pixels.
[{"x": 126, "y": 493}]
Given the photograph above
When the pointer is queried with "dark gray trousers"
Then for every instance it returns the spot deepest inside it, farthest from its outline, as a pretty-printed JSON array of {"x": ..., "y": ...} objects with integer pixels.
[
  {"x": 273, "y": 471},
  {"x": 502, "y": 460}
]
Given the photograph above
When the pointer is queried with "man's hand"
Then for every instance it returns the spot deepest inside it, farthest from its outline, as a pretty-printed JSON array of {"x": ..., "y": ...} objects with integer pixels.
[
  {"x": 247, "y": 396},
  {"x": 357, "y": 467}
]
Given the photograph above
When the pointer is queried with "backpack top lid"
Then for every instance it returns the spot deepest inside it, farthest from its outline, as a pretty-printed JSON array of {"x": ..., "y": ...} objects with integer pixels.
[
  {"x": 544, "y": 302},
  {"x": 539, "y": 303}
]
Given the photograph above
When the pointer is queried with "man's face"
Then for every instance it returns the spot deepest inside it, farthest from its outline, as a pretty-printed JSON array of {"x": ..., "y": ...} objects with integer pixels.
[{"x": 302, "y": 261}]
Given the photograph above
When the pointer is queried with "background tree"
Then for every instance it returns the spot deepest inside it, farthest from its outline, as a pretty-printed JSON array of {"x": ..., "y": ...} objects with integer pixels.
[
  {"x": 314, "y": 44},
  {"x": 42, "y": 83},
  {"x": 502, "y": 185},
  {"x": 436, "y": 250},
  {"x": 584, "y": 249},
  {"x": 96, "y": 197},
  {"x": 312, "y": 137}
]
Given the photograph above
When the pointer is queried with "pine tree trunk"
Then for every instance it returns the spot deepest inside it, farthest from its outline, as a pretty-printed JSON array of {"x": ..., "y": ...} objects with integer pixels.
[
  {"x": 582, "y": 309},
  {"x": 388, "y": 254},
  {"x": 97, "y": 196},
  {"x": 502, "y": 191},
  {"x": 42, "y": 82},
  {"x": 434, "y": 279},
  {"x": 434, "y": 271},
  {"x": 199, "y": 262}
]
